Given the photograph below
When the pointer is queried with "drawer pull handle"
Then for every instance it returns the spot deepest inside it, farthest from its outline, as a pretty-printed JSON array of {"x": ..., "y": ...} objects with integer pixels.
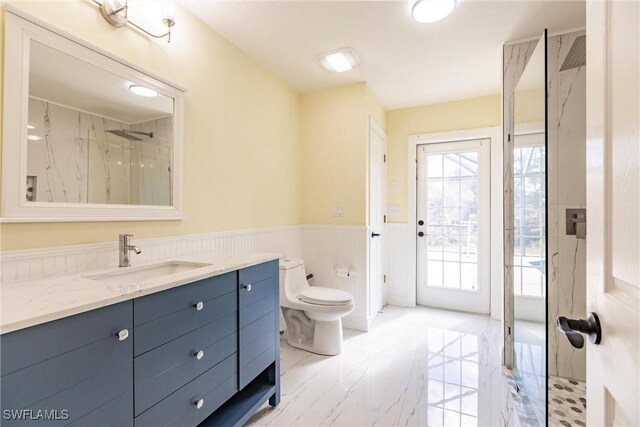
[
  {"x": 199, "y": 306},
  {"x": 247, "y": 287},
  {"x": 199, "y": 355},
  {"x": 123, "y": 335},
  {"x": 199, "y": 403}
]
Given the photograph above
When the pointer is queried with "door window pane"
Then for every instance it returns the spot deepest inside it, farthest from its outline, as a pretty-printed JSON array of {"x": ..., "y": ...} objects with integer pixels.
[
  {"x": 452, "y": 222},
  {"x": 529, "y": 221}
]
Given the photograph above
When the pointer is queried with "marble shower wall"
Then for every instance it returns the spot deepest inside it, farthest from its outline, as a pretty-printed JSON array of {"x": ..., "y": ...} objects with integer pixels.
[
  {"x": 514, "y": 60},
  {"x": 75, "y": 159},
  {"x": 567, "y": 189}
]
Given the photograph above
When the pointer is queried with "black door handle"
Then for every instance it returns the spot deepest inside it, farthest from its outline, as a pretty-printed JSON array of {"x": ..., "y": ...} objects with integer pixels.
[
  {"x": 574, "y": 328},
  {"x": 375, "y": 234}
]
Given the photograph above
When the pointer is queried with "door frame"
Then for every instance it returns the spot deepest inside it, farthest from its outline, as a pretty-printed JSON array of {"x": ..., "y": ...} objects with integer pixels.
[{"x": 495, "y": 205}]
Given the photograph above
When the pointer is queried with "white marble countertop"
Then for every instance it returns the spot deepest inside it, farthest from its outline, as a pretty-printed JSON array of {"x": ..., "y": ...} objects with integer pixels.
[{"x": 30, "y": 302}]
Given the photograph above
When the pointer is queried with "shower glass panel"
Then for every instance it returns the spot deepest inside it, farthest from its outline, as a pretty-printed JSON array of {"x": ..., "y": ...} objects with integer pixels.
[{"x": 530, "y": 234}]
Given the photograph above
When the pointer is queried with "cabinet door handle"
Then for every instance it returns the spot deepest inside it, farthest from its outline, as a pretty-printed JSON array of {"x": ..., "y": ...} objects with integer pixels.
[
  {"x": 123, "y": 335},
  {"x": 199, "y": 306},
  {"x": 247, "y": 287},
  {"x": 199, "y": 403},
  {"x": 199, "y": 355}
]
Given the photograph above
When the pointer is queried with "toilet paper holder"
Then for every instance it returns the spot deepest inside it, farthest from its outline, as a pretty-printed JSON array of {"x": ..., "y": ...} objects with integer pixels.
[{"x": 344, "y": 271}]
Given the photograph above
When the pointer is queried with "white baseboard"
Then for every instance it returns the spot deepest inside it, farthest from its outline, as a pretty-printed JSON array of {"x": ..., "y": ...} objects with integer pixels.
[{"x": 400, "y": 301}]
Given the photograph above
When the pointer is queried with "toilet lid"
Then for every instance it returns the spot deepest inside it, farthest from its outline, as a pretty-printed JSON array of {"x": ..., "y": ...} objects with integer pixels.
[{"x": 325, "y": 296}]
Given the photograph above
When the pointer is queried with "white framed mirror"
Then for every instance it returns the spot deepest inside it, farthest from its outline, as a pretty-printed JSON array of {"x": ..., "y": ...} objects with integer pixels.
[{"x": 91, "y": 138}]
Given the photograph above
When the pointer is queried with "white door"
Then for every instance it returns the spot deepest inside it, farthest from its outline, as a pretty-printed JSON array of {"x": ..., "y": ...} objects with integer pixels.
[
  {"x": 377, "y": 202},
  {"x": 453, "y": 263},
  {"x": 613, "y": 211}
]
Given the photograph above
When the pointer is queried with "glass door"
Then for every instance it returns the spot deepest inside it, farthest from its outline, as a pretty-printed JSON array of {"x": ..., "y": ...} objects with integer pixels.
[{"x": 453, "y": 226}]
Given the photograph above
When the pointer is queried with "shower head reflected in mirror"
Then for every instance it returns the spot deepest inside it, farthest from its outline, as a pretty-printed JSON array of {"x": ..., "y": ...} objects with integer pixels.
[{"x": 131, "y": 135}]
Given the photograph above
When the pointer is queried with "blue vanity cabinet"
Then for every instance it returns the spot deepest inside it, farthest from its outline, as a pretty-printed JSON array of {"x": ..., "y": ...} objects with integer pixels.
[
  {"x": 186, "y": 351},
  {"x": 204, "y": 353},
  {"x": 69, "y": 370}
]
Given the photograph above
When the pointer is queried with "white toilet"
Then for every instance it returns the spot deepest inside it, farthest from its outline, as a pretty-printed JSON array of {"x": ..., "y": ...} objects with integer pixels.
[{"x": 313, "y": 314}]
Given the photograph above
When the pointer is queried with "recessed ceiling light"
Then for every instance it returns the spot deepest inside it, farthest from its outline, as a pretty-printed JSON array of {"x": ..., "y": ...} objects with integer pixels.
[
  {"x": 143, "y": 91},
  {"x": 31, "y": 127},
  {"x": 34, "y": 137},
  {"x": 427, "y": 11},
  {"x": 338, "y": 61}
]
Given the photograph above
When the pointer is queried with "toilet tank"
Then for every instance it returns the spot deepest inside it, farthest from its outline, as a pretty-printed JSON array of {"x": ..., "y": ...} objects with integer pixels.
[{"x": 293, "y": 277}]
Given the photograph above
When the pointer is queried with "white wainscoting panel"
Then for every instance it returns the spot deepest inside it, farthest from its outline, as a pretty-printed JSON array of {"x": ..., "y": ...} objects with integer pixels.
[
  {"x": 397, "y": 243},
  {"x": 326, "y": 248},
  {"x": 34, "y": 263}
]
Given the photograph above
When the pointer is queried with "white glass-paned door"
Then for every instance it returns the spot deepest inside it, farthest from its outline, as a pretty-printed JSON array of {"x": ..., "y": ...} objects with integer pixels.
[{"x": 453, "y": 225}]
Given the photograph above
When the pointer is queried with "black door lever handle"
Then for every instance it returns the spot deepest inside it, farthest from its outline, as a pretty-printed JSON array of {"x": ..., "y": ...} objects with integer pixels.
[
  {"x": 574, "y": 328},
  {"x": 375, "y": 234}
]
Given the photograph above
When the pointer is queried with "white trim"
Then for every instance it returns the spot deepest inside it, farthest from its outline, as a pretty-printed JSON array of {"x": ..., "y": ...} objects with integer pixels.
[
  {"x": 18, "y": 36},
  {"x": 495, "y": 135}
]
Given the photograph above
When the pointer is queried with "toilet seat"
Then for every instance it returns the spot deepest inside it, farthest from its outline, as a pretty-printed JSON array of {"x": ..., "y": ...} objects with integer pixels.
[{"x": 325, "y": 296}]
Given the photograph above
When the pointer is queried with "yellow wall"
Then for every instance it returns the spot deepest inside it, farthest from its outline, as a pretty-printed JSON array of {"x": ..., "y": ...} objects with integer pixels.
[
  {"x": 457, "y": 115},
  {"x": 529, "y": 106},
  {"x": 334, "y": 135},
  {"x": 242, "y": 145}
]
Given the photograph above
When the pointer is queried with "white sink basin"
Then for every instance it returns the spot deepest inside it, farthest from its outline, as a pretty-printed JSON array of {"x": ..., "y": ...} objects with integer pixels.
[{"x": 128, "y": 275}]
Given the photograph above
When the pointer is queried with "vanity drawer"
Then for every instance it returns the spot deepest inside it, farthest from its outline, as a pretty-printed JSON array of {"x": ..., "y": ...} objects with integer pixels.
[
  {"x": 214, "y": 387},
  {"x": 118, "y": 412},
  {"x": 83, "y": 398},
  {"x": 155, "y": 333},
  {"x": 30, "y": 385},
  {"x": 158, "y": 305},
  {"x": 32, "y": 345},
  {"x": 160, "y": 372}
]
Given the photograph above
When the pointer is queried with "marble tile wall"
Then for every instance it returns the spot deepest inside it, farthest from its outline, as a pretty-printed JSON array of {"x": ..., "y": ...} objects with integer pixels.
[
  {"x": 567, "y": 189},
  {"x": 76, "y": 160},
  {"x": 515, "y": 58}
]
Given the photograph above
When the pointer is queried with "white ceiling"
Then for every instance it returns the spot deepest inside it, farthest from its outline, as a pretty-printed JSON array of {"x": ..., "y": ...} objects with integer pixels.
[
  {"x": 405, "y": 63},
  {"x": 63, "y": 79}
]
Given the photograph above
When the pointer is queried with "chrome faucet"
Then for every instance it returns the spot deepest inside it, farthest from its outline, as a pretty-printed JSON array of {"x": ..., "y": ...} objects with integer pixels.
[{"x": 125, "y": 247}]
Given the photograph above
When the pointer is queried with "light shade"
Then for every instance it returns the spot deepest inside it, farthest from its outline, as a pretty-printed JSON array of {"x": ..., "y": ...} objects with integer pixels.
[
  {"x": 143, "y": 91},
  {"x": 339, "y": 60},
  {"x": 427, "y": 11}
]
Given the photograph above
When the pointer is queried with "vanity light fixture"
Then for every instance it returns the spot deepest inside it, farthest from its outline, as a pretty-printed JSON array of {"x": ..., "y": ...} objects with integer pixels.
[
  {"x": 338, "y": 61},
  {"x": 143, "y": 91},
  {"x": 115, "y": 13},
  {"x": 428, "y": 11}
]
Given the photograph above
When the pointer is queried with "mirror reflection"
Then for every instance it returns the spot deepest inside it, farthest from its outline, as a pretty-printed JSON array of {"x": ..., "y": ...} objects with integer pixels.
[{"x": 94, "y": 136}]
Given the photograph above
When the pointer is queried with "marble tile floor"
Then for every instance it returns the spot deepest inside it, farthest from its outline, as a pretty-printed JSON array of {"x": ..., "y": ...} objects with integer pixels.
[{"x": 416, "y": 366}]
